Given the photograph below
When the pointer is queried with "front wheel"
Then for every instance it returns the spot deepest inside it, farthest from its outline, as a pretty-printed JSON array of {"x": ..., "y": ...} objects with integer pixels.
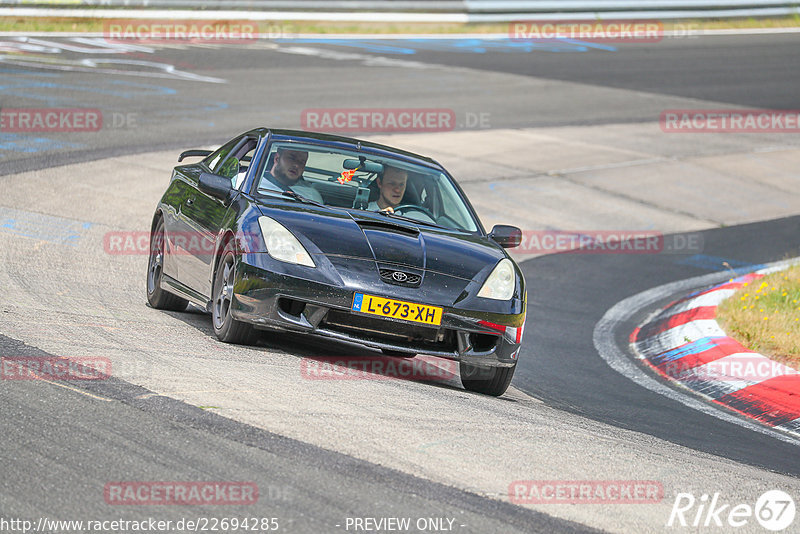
[
  {"x": 487, "y": 380},
  {"x": 226, "y": 327}
]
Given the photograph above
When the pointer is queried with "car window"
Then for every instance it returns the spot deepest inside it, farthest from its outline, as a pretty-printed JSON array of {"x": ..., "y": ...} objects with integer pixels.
[
  {"x": 217, "y": 158},
  {"x": 245, "y": 158},
  {"x": 348, "y": 179},
  {"x": 234, "y": 159}
]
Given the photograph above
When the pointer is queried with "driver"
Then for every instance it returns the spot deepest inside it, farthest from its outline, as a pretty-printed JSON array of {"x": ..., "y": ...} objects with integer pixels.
[
  {"x": 391, "y": 188},
  {"x": 287, "y": 173}
]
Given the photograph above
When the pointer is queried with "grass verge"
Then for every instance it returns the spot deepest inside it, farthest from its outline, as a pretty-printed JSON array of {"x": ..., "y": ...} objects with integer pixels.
[
  {"x": 764, "y": 316},
  {"x": 55, "y": 24}
]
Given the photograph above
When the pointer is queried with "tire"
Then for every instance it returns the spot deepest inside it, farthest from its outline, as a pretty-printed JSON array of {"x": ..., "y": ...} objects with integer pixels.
[
  {"x": 487, "y": 380},
  {"x": 228, "y": 329},
  {"x": 398, "y": 354},
  {"x": 157, "y": 297}
]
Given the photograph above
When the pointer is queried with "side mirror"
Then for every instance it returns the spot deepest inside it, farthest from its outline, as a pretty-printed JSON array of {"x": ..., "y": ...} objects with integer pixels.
[
  {"x": 192, "y": 153},
  {"x": 506, "y": 236},
  {"x": 214, "y": 185}
]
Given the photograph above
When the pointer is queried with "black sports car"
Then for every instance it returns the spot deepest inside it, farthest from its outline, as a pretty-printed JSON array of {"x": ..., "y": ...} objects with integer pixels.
[{"x": 346, "y": 239}]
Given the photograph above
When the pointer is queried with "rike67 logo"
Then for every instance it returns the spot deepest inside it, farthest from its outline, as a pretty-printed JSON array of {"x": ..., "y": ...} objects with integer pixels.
[{"x": 774, "y": 510}]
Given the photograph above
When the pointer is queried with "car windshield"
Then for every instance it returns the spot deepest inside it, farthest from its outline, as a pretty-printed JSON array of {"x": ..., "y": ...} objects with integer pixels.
[{"x": 354, "y": 180}]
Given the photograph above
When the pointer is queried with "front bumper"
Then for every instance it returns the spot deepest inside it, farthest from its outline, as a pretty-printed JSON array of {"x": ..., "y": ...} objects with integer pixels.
[{"x": 279, "y": 301}]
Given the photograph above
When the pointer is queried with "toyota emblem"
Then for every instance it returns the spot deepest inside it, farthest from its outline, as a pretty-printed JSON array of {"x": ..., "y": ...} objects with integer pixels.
[{"x": 399, "y": 277}]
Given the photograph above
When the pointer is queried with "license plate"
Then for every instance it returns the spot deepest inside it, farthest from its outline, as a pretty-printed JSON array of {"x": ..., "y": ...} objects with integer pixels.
[{"x": 397, "y": 309}]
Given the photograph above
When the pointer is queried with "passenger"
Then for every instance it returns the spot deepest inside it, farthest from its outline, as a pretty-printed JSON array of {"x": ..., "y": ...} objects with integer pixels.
[
  {"x": 287, "y": 173},
  {"x": 391, "y": 188}
]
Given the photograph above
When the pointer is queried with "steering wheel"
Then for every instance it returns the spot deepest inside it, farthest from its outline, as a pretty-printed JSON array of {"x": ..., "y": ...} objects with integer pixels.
[{"x": 414, "y": 207}]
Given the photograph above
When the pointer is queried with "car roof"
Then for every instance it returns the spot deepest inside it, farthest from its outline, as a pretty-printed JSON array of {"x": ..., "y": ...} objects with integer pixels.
[{"x": 346, "y": 143}]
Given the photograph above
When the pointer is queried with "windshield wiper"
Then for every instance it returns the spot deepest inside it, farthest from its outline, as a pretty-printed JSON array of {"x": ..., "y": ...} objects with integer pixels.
[
  {"x": 297, "y": 196},
  {"x": 293, "y": 195},
  {"x": 409, "y": 219}
]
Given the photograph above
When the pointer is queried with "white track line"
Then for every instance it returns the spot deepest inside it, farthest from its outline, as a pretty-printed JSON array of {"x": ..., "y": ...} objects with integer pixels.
[{"x": 621, "y": 312}]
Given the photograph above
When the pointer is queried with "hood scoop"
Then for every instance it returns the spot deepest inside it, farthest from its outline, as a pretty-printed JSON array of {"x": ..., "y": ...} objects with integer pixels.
[
  {"x": 388, "y": 227},
  {"x": 394, "y": 244}
]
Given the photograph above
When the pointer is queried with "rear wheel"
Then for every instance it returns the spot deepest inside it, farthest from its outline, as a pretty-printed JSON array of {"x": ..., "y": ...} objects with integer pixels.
[
  {"x": 157, "y": 297},
  {"x": 226, "y": 327},
  {"x": 487, "y": 380}
]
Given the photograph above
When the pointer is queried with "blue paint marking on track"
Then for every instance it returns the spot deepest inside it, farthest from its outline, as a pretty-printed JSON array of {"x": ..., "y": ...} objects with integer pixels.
[
  {"x": 482, "y": 46},
  {"x": 584, "y": 45},
  {"x": 32, "y": 144},
  {"x": 47, "y": 91},
  {"x": 47, "y": 228},
  {"x": 695, "y": 347},
  {"x": 26, "y": 86},
  {"x": 470, "y": 45},
  {"x": 717, "y": 263}
]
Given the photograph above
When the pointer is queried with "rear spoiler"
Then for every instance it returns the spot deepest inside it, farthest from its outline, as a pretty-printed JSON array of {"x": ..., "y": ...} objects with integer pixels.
[{"x": 190, "y": 153}]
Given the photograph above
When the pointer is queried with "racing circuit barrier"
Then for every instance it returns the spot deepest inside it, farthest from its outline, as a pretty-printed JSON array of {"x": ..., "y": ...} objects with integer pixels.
[{"x": 411, "y": 10}]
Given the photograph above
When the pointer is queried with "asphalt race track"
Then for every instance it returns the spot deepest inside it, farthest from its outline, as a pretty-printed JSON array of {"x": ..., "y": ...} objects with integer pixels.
[
  {"x": 598, "y": 282},
  {"x": 184, "y": 407}
]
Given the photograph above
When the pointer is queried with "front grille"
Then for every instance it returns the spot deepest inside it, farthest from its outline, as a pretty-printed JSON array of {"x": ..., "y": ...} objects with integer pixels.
[
  {"x": 400, "y": 278},
  {"x": 388, "y": 331}
]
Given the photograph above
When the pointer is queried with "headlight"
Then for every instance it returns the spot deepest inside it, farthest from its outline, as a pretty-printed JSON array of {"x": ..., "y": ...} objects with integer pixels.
[
  {"x": 500, "y": 284},
  {"x": 282, "y": 244}
]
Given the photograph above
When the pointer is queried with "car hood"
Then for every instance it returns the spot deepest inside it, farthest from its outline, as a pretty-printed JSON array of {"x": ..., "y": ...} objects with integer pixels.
[{"x": 387, "y": 240}]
